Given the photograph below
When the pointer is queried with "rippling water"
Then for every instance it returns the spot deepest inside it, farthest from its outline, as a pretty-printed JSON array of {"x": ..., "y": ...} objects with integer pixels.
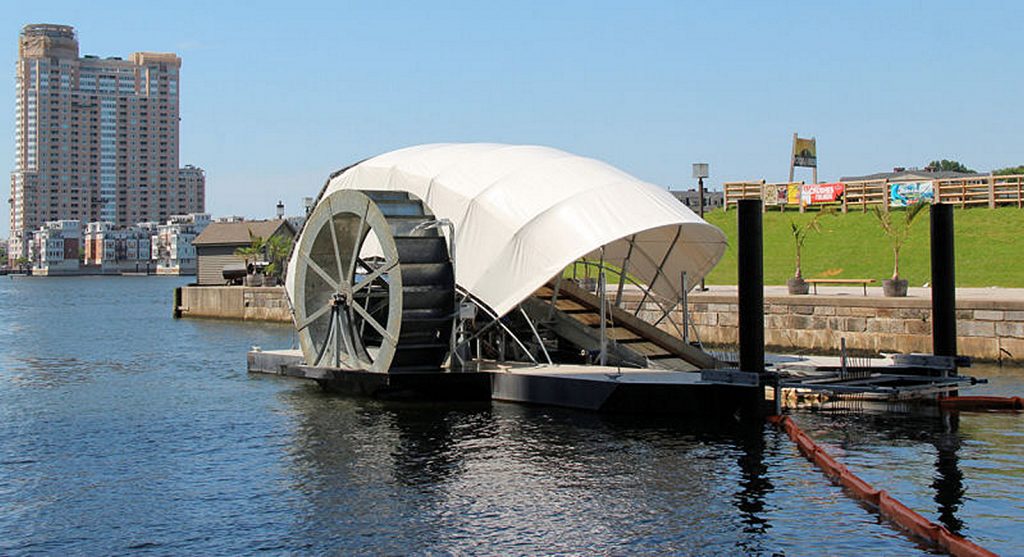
[{"x": 123, "y": 430}]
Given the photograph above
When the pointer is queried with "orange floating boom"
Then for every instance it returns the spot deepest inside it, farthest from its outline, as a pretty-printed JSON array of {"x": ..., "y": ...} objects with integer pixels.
[
  {"x": 887, "y": 505},
  {"x": 1003, "y": 403}
]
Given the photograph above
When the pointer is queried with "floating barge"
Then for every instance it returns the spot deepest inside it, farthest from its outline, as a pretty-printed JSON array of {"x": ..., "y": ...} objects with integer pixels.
[
  {"x": 583, "y": 387},
  {"x": 496, "y": 272}
]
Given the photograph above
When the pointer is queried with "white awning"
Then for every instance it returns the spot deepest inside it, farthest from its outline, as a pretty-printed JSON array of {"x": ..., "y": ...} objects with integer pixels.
[{"x": 524, "y": 213}]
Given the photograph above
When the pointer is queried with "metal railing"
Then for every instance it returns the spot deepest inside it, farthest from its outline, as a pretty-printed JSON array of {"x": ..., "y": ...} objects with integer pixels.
[{"x": 664, "y": 305}]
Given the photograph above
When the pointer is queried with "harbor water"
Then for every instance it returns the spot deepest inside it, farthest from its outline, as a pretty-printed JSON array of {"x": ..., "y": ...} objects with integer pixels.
[{"x": 125, "y": 430}]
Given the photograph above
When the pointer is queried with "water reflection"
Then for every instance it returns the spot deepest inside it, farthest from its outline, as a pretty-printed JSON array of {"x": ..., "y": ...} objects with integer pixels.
[
  {"x": 949, "y": 479},
  {"x": 532, "y": 479},
  {"x": 52, "y": 372},
  {"x": 755, "y": 484}
]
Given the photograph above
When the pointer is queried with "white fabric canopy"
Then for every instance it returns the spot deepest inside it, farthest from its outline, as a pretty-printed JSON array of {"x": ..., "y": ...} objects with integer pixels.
[{"x": 523, "y": 213}]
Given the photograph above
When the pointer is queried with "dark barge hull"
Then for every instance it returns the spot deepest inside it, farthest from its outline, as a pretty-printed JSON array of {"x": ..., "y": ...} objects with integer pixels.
[
  {"x": 593, "y": 389},
  {"x": 414, "y": 385},
  {"x": 692, "y": 399}
]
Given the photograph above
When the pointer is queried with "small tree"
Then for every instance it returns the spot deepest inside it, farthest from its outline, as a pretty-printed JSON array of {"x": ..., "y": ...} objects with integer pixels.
[
  {"x": 277, "y": 249},
  {"x": 800, "y": 236},
  {"x": 898, "y": 230},
  {"x": 22, "y": 262},
  {"x": 253, "y": 251}
]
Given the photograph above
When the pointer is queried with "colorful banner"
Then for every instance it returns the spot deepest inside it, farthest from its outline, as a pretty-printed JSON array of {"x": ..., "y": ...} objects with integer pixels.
[
  {"x": 822, "y": 193},
  {"x": 781, "y": 194},
  {"x": 793, "y": 194},
  {"x": 903, "y": 194},
  {"x": 805, "y": 152},
  {"x": 774, "y": 194}
]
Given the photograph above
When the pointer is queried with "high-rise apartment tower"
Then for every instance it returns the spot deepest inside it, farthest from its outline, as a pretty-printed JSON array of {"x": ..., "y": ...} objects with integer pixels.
[{"x": 96, "y": 138}]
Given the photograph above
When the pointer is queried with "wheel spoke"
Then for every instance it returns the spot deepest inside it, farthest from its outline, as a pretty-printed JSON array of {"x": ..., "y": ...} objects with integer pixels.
[
  {"x": 320, "y": 271},
  {"x": 357, "y": 244},
  {"x": 334, "y": 239},
  {"x": 373, "y": 323},
  {"x": 373, "y": 276},
  {"x": 314, "y": 316}
]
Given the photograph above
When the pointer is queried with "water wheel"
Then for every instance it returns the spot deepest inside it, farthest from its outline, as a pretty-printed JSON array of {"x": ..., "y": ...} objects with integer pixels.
[{"x": 373, "y": 286}]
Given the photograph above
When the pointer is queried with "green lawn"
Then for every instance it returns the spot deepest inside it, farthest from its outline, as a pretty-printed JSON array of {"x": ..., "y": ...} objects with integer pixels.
[{"x": 989, "y": 248}]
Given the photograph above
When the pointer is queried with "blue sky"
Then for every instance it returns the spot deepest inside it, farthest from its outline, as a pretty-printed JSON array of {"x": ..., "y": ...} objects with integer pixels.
[{"x": 276, "y": 95}]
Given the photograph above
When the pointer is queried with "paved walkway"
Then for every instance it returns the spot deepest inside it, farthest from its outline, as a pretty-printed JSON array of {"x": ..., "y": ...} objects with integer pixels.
[{"x": 1001, "y": 294}]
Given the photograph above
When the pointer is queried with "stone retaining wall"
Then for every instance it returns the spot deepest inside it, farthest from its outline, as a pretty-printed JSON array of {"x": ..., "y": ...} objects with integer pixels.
[
  {"x": 986, "y": 329},
  {"x": 235, "y": 302}
]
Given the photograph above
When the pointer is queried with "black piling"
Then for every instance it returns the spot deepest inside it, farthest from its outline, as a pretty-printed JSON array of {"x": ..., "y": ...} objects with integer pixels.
[
  {"x": 943, "y": 281},
  {"x": 176, "y": 309},
  {"x": 751, "y": 286}
]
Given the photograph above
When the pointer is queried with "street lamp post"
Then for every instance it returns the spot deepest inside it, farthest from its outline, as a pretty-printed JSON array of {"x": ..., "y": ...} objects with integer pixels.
[{"x": 700, "y": 171}]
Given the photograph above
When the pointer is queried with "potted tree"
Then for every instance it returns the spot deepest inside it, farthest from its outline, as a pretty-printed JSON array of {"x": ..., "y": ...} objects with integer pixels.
[
  {"x": 278, "y": 248},
  {"x": 252, "y": 255},
  {"x": 796, "y": 284},
  {"x": 898, "y": 231}
]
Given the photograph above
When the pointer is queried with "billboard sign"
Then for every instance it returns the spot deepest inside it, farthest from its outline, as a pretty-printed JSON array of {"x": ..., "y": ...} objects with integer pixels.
[
  {"x": 804, "y": 152},
  {"x": 904, "y": 194},
  {"x": 822, "y": 193}
]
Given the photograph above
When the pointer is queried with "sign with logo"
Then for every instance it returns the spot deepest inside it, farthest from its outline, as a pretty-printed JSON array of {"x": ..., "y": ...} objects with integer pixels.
[
  {"x": 805, "y": 152},
  {"x": 822, "y": 193},
  {"x": 904, "y": 194}
]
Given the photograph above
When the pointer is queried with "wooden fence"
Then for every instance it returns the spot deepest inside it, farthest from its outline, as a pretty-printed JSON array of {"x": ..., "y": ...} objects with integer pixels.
[{"x": 990, "y": 191}]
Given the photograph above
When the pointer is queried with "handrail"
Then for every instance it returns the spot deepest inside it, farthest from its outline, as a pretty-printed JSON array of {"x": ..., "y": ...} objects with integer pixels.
[{"x": 659, "y": 300}]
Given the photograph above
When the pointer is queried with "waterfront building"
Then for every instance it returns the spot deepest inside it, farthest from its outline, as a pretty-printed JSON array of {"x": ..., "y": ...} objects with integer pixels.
[
  {"x": 119, "y": 250},
  {"x": 96, "y": 139},
  {"x": 55, "y": 248},
  {"x": 691, "y": 198},
  {"x": 172, "y": 247},
  {"x": 99, "y": 244},
  {"x": 216, "y": 246}
]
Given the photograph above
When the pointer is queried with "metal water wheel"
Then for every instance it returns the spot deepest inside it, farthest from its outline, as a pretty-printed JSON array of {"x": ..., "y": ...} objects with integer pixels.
[{"x": 374, "y": 288}]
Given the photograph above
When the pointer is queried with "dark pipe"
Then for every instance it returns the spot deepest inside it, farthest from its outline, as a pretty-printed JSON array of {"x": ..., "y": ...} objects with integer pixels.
[
  {"x": 751, "y": 286},
  {"x": 943, "y": 281}
]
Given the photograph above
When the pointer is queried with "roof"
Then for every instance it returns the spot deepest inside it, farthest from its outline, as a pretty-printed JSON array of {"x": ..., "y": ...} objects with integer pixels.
[
  {"x": 240, "y": 233},
  {"x": 910, "y": 175},
  {"x": 522, "y": 213}
]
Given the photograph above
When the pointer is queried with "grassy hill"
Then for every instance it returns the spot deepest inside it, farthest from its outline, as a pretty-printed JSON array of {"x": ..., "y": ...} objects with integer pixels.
[{"x": 989, "y": 248}]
